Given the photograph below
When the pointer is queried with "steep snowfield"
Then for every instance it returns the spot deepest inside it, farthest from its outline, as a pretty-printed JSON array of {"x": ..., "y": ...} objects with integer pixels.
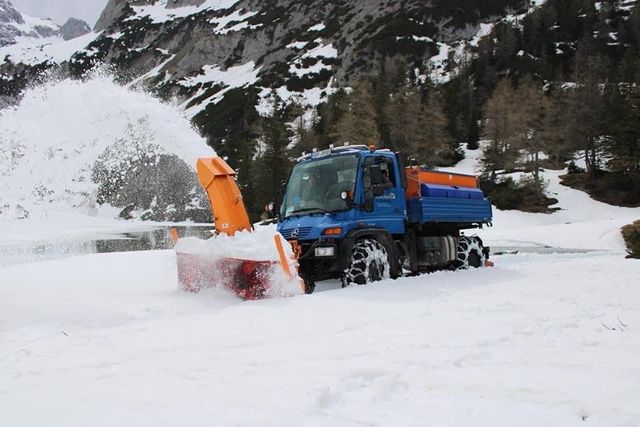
[{"x": 548, "y": 340}]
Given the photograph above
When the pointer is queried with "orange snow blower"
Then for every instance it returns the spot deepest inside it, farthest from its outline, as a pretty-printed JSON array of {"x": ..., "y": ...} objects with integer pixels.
[{"x": 249, "y": 279}]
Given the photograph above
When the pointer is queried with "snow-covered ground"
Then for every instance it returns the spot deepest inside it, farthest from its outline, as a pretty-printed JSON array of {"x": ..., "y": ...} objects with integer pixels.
[
  {"x": 580, "y": 222},
  {"x": 108, "y": 339},
  {"x": 538, "y": 340}
]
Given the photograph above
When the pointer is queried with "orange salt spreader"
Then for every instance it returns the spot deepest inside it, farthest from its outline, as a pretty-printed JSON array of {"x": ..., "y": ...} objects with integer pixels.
[{"x": 249, "y": 279}]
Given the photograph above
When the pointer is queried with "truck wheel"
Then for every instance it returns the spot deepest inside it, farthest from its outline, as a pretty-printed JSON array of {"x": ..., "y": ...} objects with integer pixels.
[
  {"x": 369, "y": 263},
  {"x": 470, "y": 253},
  {"x": 309, "y": 287}
]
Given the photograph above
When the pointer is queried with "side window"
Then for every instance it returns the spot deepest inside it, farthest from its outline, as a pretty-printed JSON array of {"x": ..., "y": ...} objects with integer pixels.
[
  {"x": 388, "y": 175},
  {"x": 366, "y": 176}
]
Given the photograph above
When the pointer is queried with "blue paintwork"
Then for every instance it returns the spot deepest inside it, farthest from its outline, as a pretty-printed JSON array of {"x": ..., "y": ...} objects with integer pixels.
[
  {"x": 391, "y": 210},
  {"x": 443, "y": 209},
  {"x": 435, "y": 190}
]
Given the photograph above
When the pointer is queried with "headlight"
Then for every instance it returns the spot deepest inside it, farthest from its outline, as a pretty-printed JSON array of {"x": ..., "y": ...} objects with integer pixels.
[{"x": 325, "y": 252}]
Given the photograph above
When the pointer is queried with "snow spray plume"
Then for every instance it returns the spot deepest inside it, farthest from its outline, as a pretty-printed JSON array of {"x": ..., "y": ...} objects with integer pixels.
[{"x": 64, "y": 135}]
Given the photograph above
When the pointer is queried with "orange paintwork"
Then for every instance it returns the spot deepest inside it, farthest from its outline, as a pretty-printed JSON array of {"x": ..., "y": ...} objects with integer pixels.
[
  {"x": 218, "y": 179},
  {"x": 283, "y": 258},
  {"x": 174, "y": 235},
  {"x": 416, "y": 176}
]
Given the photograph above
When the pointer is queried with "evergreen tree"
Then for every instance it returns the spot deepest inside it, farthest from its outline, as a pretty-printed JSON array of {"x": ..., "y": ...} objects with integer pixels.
[
  {"x": 358, "y": 124},
  {"x": 432, "y": 142},
  {"x": 274, "y": 165},
  {"x": 501, "y": 129},
  {"x": 403, "y": 112},
  {"x": 557, "y": 145},
  {"x": 624, "y": 146},
  {"x": 585, "y": 122},
  {"x": 535, "y": 134}
]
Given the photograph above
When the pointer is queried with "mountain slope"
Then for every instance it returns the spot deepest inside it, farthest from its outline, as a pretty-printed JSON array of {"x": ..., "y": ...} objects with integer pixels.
[{"x": 198, "y": 50}]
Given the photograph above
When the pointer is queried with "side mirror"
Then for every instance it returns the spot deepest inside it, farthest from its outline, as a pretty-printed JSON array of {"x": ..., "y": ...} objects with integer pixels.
[
  {"x": 347, "y": 196},
  {"x": 368, "y": 204}
]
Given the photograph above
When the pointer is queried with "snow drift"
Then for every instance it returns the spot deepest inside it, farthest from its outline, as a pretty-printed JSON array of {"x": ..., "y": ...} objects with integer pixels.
[{"x": 51, "y": 141}]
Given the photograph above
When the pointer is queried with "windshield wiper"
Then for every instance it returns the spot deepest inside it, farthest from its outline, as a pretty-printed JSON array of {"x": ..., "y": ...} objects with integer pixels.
[{"x": 299, "y": 211}]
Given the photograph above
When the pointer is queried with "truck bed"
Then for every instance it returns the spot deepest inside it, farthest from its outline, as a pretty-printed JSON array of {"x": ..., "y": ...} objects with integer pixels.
[{"x": 446, "y": 209}]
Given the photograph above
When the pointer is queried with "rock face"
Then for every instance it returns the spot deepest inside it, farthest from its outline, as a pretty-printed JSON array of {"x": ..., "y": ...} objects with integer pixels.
[
  {"x": 199, "y": 51},
  {"x": 8, "y": 18},
  {"x": 8, "y": 13},
  {"x": 74, "y": 28},
  {"x": 13, "y": 25},
  {"x": 112, "y": 11}
]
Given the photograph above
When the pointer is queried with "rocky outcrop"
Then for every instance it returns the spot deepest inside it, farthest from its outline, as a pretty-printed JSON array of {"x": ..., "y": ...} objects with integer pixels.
[
  {"x": 74, "y": 28},
  {"x": 9, "y": 14},
  {"x": 8, "y": 17},
  {"x": 13, "y": 25},
  {"x": 199, "y": 51},
  {"x": 112, "y": 11}
]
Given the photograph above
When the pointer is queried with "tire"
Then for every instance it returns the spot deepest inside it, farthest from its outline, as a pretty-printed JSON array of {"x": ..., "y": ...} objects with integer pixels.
[
  {"x": 369, "y": 263},
  {"x": 309, "y": 287},
  {"x": 470, "y": 253}
]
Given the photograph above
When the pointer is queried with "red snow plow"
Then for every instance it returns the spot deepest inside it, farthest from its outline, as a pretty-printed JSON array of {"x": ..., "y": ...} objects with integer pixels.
[{"x": 200, "y": 267}]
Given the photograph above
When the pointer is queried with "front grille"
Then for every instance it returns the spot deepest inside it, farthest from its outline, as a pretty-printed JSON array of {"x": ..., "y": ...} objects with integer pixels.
[{"x": 303, "y": 232}]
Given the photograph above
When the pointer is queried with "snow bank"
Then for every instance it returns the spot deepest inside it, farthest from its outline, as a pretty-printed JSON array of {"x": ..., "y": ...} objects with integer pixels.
[
  {"x": 50, "y": 141},
  {"x": 258, "y": 245}
]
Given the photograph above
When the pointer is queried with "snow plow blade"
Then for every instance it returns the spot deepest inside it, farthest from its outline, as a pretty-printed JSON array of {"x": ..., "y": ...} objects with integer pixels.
[
  {"x": 225, "y": 266},
  {"x": 248, "y": 279}
]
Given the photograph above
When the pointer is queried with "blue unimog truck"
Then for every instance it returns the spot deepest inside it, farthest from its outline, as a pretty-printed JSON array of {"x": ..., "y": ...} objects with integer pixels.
[{"x": 358, "y": 214}]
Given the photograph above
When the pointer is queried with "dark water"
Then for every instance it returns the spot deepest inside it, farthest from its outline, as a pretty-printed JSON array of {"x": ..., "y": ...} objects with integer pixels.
[
  {"x": 543, "y": 250},
  {"x": 153, "y": 239},
  {"x": 160, "y": 238}
]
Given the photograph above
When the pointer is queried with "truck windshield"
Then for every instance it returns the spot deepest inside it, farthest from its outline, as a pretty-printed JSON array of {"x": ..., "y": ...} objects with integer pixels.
[{"x": 316, "y": 186}]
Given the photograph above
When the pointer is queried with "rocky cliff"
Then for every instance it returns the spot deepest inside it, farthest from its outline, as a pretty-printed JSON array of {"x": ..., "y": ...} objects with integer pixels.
[{"x": 199, "y": 50}]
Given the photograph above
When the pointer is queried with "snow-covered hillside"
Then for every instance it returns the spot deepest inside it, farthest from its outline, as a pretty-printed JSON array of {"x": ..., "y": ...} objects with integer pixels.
[
  {"x": 303, "y": 52},
  {"x": 16, "y": 27},
  {"x": 31, "y": 41},
  {"x": 580, "y": 222},
  {"x": 540, "y": 339}
]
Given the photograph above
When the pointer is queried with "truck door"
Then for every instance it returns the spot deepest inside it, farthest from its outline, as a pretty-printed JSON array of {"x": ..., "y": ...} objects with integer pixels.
[{"x": 384, "y": 201}]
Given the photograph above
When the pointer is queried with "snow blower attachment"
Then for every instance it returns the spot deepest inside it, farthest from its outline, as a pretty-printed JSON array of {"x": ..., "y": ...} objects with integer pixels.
[{"x": 237, "y": 258}]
